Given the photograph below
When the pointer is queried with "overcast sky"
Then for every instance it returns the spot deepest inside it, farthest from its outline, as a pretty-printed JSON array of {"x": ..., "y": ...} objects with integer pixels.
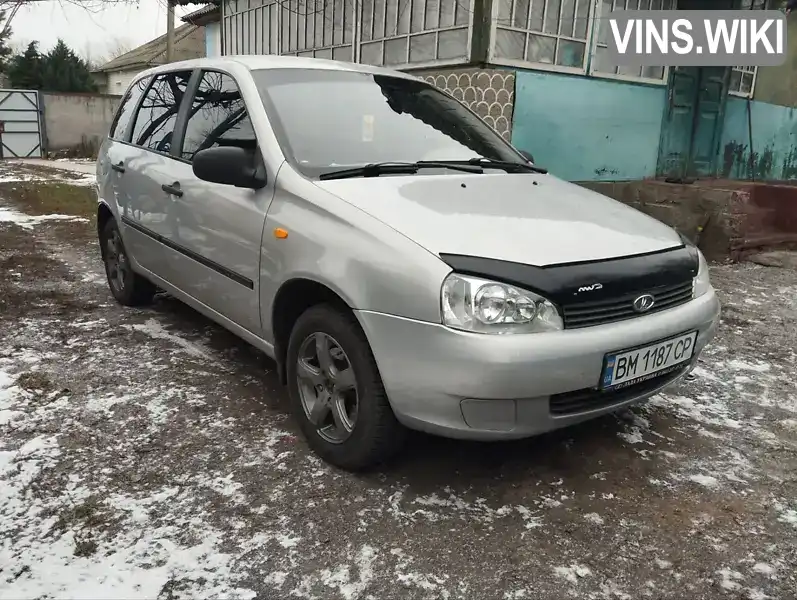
[{"x": 91, "y": 33}]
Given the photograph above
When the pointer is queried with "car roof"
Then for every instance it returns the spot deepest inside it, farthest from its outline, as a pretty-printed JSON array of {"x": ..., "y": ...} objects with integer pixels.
[{"x": 270, "y": 61}]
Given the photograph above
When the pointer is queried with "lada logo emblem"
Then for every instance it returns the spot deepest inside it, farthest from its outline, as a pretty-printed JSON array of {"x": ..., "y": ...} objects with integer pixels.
[{"x": 644, "y": 303}]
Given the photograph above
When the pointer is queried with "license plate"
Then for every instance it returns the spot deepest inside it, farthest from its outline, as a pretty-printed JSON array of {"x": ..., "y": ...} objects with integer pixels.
[{"x": 628, "y": 367}]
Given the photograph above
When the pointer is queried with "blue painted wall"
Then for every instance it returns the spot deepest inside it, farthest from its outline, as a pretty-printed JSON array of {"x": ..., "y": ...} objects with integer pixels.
[
  {"x": 212, "y": 39},
  {"x": 774, "y": 141},
  {"x": 587, "y": 129}
]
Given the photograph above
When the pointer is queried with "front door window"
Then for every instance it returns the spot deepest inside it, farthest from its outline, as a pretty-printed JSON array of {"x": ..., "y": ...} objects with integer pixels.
[
  {"x": 157, "y": 115},
  {"x": 218, "y": 117}
]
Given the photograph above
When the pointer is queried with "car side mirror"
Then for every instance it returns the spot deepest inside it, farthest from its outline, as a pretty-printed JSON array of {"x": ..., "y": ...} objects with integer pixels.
[
  {"x": 230, "y": 165},
  {"x": 527, "y": 155}
]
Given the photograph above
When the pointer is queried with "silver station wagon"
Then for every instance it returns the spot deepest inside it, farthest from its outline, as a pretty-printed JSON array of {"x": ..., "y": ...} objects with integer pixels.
[{"x": 402, "y": 263}]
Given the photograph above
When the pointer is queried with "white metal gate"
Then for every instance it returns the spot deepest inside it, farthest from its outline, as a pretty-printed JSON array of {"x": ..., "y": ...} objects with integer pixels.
[{"x": 20, "y": 124}]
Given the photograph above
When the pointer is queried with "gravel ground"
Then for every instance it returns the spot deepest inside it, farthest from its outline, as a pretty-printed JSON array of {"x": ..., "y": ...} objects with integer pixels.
[{"x": 149, "y": 454}]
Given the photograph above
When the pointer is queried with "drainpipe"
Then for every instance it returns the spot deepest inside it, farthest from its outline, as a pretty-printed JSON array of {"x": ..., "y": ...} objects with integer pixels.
[
  {"x": 750, "y": 127},
  {"x": 597, "y": 8},
  {"x": 169, "y": 31},
  {"x": 750, "y": 139}
]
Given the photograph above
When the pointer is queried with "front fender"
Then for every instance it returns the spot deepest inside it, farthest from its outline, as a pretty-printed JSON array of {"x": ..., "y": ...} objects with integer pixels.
[{"x": 368, "y": 264}]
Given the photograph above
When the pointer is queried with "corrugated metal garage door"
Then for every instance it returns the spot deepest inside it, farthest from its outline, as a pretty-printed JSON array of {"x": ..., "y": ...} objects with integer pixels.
[{"x": 20, "y": 124}]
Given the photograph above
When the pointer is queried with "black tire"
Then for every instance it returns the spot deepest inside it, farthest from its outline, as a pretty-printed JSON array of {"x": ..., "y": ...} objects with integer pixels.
[
  {"x": 376, "y": 436},
  {"x": 128, "y": 288}
]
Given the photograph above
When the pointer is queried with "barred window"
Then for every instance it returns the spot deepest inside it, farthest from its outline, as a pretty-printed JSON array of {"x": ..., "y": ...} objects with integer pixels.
[
  {"x": 402, "y": 32},
  {"x": 601, "y": 63},
  {"x": 743, "y": 78},
  {"x": 544, "y": 32}
]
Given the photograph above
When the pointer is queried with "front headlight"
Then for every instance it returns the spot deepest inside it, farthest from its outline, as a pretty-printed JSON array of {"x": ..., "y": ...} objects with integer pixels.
[
  {"x": 702, "y": 284},
  {"x": 483, "y": 306}
]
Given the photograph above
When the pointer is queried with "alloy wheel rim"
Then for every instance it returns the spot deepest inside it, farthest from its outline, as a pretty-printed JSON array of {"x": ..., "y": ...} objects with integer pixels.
[
  {"x": 116, "y": 261},
  {"x": 327, "y": 387}
]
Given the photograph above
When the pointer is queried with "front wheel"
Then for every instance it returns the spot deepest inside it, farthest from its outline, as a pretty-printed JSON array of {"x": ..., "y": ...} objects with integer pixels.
[
  {"x": 336, "y": 391},
  {"x": 127, "y": 287}
]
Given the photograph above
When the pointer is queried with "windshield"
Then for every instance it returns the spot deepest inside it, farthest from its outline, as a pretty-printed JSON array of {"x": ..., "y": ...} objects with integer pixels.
[{"x": 328, "y": 120}]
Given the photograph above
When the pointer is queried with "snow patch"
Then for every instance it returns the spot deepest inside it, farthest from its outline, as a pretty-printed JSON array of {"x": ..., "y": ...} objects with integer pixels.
[
  {"x": 593, "y": 518},
  {"x": 787, "y": 515},
  {"x": 729, "y": 579},
  {"x": 276, "y": 579},
  {"x": 156, "y": 331},
  {"x": 740, "y": 365},
  {"x": 158, "y": 538},
  {"x": 572, "y": 573},
  {"x": 341, "y": 578},
  {"x": 705, "y": 480},
  {"x": 98, "y": 278},
  {"x": 9, "y": 215},
  {"x": 634, "y": 436},
  {"x": 763, "y": 568},
  {"x": 136, "y": 563}
]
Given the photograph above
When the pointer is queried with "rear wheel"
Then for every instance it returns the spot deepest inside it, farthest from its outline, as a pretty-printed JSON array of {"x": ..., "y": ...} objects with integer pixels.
[
  {"x": 127, "y": 287},
  {"x": 336, "y": 392}
]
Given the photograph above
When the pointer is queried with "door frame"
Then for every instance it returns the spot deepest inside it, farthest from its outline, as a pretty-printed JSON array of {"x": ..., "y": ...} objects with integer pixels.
[
  {"x": 663, "y": 133},
  {"x": 719, "y": 125},
  {"x": 685, "y": 170}
]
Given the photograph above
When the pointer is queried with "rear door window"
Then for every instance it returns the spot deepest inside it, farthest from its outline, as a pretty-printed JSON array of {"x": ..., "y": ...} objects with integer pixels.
[
  {"x": 126, "y": 108},
  {"x": 154, "y": 125},
  {"x": 217, "y": 117}
]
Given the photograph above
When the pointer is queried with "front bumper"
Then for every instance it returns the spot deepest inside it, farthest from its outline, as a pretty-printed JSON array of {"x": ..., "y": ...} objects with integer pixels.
[{"x": 485, "y": 387}]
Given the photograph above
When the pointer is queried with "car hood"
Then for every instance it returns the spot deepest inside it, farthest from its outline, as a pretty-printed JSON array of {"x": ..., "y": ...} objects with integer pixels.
[{"x": 527, "y": 218}]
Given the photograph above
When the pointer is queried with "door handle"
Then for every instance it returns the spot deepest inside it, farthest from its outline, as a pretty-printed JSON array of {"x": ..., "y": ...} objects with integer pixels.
[
  {"x": 173, "y": 189},
  {"x": 120, "y": 167}
]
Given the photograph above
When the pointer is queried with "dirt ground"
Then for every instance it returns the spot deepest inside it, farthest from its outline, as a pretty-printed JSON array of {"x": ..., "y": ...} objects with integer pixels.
[{"x": 149, "y": 454}]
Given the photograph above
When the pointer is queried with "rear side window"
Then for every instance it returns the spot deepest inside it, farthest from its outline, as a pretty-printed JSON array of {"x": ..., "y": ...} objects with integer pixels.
[
  {"x": 126, "y": 108},
  {"x": 157, "y": 115},
  {"x": 218, "y": 117}
]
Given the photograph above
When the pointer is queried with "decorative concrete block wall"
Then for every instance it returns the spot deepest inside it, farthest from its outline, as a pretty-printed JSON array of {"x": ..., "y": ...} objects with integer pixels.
[{"x": 490, "y": 93}]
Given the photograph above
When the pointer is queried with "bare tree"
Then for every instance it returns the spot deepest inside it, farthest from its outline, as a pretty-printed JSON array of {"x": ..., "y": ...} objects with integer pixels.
[
  {"x": 88, "y": 54},
  {"x": 18, "y": 46},
  {"x": 12, "y": 6},
  {"x": 116, "y": 48},
  {"x": 90, "y": 5}
]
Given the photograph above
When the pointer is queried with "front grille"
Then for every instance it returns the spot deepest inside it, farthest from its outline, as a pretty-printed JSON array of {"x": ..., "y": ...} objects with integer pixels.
[
  {"x": 589, "y": 399},
  {"x": 587, "y": 314}
]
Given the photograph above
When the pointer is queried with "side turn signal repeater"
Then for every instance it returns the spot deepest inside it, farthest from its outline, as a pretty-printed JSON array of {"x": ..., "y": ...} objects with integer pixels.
[{"x": 280, "y": 233}]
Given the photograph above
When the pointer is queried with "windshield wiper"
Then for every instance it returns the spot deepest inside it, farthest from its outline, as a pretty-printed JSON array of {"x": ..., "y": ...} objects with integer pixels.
[
  {"x": 399, "y": 168},
  {"x": 508, "y": 166}
]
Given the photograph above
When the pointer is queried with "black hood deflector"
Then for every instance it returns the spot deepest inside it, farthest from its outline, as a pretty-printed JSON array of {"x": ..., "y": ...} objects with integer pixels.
[{"x": 566, "y": 284}]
